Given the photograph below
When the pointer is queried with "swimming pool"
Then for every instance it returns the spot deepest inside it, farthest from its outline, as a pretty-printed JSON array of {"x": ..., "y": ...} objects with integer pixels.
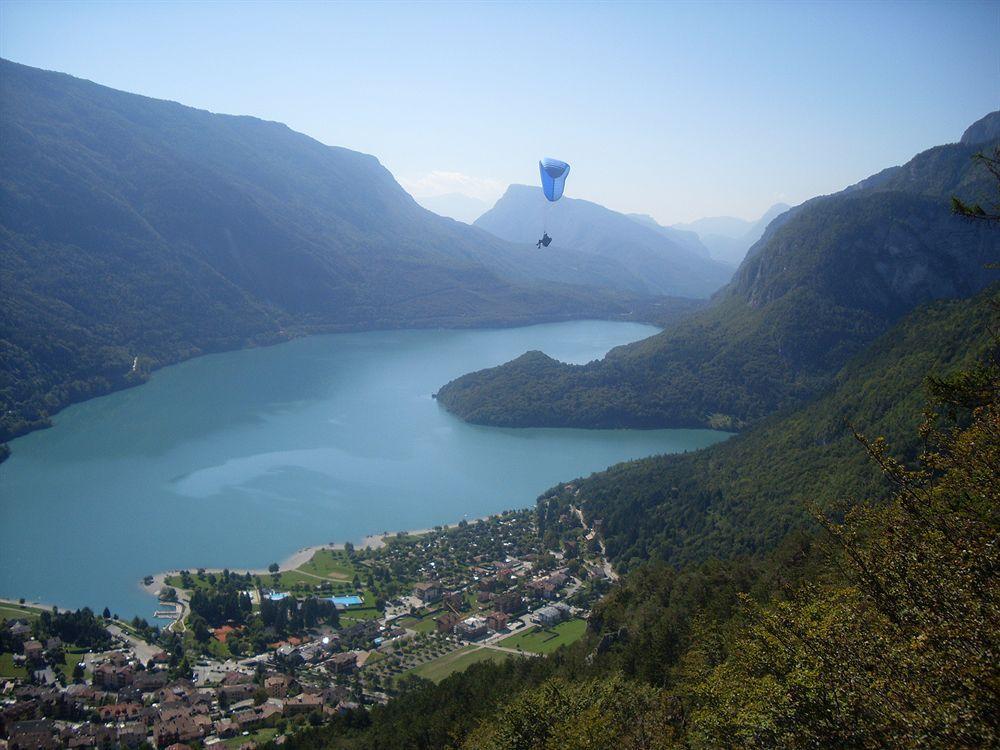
[{"x": 346, "y": 601}]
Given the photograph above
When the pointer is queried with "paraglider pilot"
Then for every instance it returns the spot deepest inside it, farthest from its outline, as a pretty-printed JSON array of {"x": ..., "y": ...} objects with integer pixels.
[{"x": 553, "y": 173}]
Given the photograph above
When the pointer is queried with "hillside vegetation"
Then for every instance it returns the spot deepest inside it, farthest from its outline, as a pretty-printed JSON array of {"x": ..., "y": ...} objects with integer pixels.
[{"x": 743, "y": 496}]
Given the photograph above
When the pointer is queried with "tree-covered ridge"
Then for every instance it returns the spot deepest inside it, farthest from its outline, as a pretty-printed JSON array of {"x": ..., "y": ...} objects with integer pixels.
[
  {"x": 744, "y": 495},
  {"x": 875, "y": 631},
  {"x": 825, "y": 280}
]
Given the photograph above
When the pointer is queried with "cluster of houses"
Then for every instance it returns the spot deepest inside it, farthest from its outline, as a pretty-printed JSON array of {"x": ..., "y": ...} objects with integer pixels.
[
  {"x": 130, "y": 704},
  {"x": 80, "y": 716},
  {"x": 127, "y": 703},
  {"x": 501, "y": 590}
]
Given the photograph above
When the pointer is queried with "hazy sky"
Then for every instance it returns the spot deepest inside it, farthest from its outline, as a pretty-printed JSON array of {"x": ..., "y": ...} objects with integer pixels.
[{"x": 679, "y": 110}]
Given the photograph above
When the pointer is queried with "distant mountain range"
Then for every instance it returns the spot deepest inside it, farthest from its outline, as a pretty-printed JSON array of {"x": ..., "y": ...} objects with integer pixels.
[
  {"x": 631, "y": 253},
  {"x": 727, "y": 237},
  {"x": 136, "y": 232},
  {"x": 688, "y": 240},
  {"x": 456, "y": 206},
  {"x": 826, "y": 278}
]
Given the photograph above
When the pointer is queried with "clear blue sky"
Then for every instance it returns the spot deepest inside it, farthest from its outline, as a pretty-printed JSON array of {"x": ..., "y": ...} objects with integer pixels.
[{"x": 679, "y": 110}]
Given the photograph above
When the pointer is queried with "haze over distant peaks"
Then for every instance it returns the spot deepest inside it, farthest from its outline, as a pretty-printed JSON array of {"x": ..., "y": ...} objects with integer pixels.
[
  {"x": 727, "y": 226},
  {"x": 643, "y": 258},
  {"x": 456, "y": 206},
  {"x": 727, "y": 237},
  {"x": 689, "y": 240}
]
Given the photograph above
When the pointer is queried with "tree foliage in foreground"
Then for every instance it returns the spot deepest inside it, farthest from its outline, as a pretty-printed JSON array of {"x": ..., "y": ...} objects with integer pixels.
[{"x": 904, "y": 653}]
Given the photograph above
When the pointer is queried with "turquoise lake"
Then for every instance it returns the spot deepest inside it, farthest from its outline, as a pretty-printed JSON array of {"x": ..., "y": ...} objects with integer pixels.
[{"x": 239, "y": 459}]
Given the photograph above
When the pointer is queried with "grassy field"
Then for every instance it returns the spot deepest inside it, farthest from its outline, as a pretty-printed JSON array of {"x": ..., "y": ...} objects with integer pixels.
[
  {"x": 7, "y": 668},
  {"x": 374, "y": 658},
  {"x": 174, "y": 581},
  {"x": 328, "y": 563},
  {"x": 259, "y": 737},
  {"x": 325, "y": 566},
  {"x": 458, "y": 661},
  {"x": 287, "y": 581},
  {"x": 425, "y": 624},
  {"x": 17, "y": 612},
  {"x": 366, "y": 611},
  {"x": 546, "y": 641},
  {"x": 72, "y": 660}
]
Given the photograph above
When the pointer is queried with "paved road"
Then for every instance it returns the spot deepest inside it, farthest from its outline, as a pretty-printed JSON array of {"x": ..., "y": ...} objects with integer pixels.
[
  {"x": 143, "y": 651},
  {"x": 491, "y": 647}
]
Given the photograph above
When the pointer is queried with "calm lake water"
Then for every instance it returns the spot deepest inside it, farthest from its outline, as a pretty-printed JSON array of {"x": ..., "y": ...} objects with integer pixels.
[{"x": 239, "y": 459}]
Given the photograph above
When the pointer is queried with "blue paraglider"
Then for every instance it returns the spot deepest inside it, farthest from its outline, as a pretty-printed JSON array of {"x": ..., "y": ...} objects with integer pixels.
[{"x": 553, "y": 174}]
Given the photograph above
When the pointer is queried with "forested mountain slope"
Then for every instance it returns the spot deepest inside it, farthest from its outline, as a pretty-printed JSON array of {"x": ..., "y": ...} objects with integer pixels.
[
  {"x": 639, "y": 257},
  {"x": 825, "y": 280},
  {"x": 741, "y": 497},
  {"x": 136, "y": 232}
]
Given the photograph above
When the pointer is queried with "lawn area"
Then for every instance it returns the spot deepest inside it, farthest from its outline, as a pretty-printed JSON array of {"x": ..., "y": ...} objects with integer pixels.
[
  {"x": 546, "y": 641},
  {"x": 71, "y": 661},
  {"x": 330, "y": 563},
  {"x": 425, "y": 624},
  {"x": 174, "y": 581},
  {"x": 213, "y": 646},
  {"x": 366, "y": 611},
  {"x": 259, "y": 737},
  {"x": 326, "y": 566},
  {"x": 458, "y": 661},
  {"x": 289, "y": 578},
  {"x": 17, "y": 612},
  {"x": 470, "y": 599},
  {"x": 374, "y": 657},
  {"x": 356, "y": 614},
  {"x": 7, "y": 668}
]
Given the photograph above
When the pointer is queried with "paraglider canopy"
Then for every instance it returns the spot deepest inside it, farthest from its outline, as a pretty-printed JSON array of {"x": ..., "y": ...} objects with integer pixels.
[{"x": 553, "y": 174}]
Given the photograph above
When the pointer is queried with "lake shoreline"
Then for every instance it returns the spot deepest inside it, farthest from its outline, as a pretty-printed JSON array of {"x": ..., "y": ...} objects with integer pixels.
[
  {"x": 294, "y": 561},
  {"x": 640, "y": 313},
  {"x": 268, "y": 454}
]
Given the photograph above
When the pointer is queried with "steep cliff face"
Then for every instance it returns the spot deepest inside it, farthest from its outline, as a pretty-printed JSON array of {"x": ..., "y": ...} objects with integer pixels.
[
  {"x": 983, "y": 130},
  {"x": 882, "y": 246}
]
